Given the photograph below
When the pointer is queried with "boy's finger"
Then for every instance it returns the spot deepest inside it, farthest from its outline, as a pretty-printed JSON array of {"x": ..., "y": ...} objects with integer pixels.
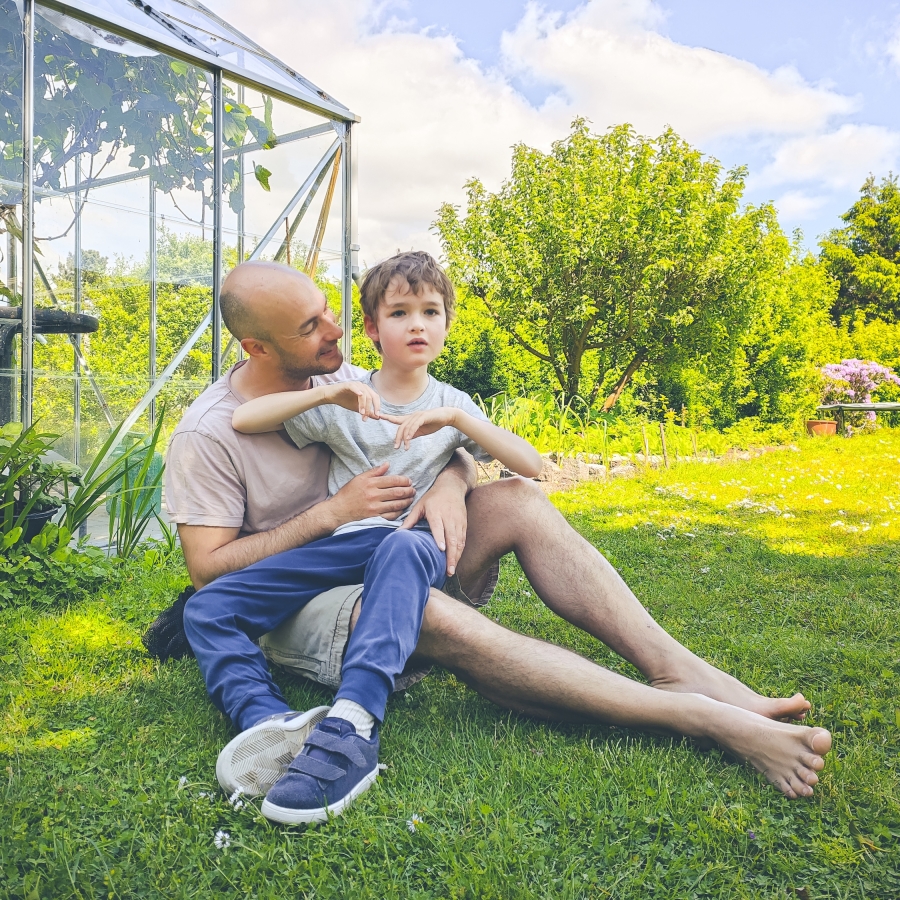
[
  {"x": 415, "y": 515},
  {"x": 437, "y": 532}
]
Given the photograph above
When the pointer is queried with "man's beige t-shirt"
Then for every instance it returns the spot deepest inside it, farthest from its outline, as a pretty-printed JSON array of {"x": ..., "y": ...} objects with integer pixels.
[{"x": 255, "y": 482}]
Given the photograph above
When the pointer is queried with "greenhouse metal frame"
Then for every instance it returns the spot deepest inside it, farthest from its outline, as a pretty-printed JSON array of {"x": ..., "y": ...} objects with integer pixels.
[{"x": 184, "y": 31}]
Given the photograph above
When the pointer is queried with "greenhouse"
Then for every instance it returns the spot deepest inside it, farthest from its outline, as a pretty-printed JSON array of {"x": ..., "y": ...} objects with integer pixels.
[{"x": 147, "y": 148}]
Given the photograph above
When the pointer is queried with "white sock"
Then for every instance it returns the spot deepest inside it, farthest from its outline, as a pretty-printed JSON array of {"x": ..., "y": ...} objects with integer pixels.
[{"x": 352, "y": 712}]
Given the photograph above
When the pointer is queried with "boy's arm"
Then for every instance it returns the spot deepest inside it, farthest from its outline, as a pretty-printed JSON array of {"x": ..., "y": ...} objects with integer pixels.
[
  {"x": 514, "y": 452},
  {"x": 269, "y": 412}
]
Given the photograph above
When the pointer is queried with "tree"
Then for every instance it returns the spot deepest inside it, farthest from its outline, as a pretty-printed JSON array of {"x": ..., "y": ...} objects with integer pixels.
[
  {"x": 864, "y": 255},
  {"x": 609, "y": 252},
  {"x": 772, "y": 373}
]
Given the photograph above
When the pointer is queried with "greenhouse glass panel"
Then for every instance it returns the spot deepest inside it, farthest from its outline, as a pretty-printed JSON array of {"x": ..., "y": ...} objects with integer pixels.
[
  {"x": 165, "y": 147},
  {"x": 187, "y": 27},
  {"x": 11, "y": 46},
  {"x": 123, "y": 228},
  {"x": 280, "y": 178}
]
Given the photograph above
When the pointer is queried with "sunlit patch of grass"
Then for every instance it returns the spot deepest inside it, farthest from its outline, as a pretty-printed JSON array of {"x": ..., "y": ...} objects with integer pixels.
[{"x": 60, "y": 666}]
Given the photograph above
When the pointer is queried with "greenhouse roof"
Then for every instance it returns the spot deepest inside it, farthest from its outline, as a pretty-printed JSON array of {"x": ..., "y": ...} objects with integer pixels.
[{"x": 187, "y": 29}]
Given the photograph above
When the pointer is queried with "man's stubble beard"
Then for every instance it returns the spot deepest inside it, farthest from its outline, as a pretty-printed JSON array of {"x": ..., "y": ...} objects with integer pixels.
[{"x": 291, "y": 372}]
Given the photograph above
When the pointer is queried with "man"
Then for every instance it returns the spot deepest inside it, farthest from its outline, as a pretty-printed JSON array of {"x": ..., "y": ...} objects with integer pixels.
[{"x": 238, "y": 500}]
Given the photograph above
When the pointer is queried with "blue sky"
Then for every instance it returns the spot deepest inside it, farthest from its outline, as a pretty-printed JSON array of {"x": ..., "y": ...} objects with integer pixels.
[
  {"x": 802, "y": 93},
  {"x": 838, "y": 44}
]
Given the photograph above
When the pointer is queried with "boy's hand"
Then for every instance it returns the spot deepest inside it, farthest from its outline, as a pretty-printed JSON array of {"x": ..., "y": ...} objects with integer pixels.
[
  {"x": 355, "y": 396},
  {"x": 417, "y": 424}
]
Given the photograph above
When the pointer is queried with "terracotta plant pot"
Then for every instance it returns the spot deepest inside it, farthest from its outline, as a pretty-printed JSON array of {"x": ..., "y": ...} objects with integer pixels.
[{"x": 821, "y": 426}]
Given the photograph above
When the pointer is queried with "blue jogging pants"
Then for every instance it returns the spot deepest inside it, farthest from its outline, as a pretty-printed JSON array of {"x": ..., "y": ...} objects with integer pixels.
[{"x": 223, "y": 619}]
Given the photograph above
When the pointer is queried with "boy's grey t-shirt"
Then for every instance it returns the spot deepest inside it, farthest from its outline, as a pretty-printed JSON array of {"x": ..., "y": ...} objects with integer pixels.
[{"x": 358, "y": 445}]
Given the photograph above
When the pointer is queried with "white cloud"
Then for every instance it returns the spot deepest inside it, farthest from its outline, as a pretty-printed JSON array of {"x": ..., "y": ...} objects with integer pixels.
[
  {"x": 797, "y": 205},
  {"x": 431, "y": 118},
  {"x": 837, "y": 160},
  {"x": 611, "y": 65}
]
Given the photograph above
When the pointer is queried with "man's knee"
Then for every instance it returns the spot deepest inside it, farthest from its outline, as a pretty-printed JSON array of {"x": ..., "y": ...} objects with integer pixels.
[{"x": 514, "y": 492}]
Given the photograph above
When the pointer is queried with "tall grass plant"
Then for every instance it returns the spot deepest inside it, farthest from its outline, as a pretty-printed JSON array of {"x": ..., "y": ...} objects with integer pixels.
[{"x": 569, "y": 427}]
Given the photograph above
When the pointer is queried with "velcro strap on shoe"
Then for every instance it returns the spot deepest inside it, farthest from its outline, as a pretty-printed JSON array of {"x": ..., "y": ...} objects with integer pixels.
[
  {"x": 318, "y": 768},
  {"x": 335, "y": 744}
]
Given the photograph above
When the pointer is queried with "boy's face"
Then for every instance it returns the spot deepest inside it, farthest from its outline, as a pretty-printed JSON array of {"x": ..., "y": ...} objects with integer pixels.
[{"x": 411, "y": 328}]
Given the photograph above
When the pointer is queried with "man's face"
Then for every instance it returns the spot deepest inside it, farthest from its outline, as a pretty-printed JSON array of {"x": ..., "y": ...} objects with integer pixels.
[{"x": 305, "y": 336}]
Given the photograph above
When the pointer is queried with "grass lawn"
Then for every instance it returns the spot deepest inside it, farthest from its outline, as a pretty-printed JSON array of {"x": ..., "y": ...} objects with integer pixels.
[{"x": 784, "y": 571}]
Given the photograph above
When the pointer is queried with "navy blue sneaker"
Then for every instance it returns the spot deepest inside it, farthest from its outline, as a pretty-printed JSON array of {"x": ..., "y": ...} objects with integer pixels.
[{"x": 334, "y": 767}]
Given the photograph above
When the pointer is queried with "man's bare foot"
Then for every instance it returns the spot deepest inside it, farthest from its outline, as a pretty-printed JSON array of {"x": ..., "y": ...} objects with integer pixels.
[
  {"x": 718, "y": 685},
  {"x": 789, "y": 756}
]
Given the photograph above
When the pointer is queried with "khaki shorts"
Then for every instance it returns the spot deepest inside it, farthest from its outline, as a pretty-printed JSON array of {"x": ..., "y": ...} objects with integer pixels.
[{"x": 312, "y": 643}]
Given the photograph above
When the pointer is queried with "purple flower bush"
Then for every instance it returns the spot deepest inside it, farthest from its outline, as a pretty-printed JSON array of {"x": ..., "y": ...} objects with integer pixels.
[{"x": 853, "y": 381}]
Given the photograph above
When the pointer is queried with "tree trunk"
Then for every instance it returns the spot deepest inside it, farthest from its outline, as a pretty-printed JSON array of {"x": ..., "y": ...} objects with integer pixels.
[{"x": 632, "y": 367}]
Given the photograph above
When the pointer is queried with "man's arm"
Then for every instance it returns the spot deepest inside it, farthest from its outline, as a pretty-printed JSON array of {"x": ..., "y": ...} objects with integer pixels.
[
  {"x": 443, "y": 506},
  {"x": 211, "y": 551}
]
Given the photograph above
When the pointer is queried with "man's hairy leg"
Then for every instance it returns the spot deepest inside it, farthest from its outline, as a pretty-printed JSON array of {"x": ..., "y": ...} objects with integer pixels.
[
  {"x": 543, "y": 680},
  {"x": 578, "y": 584}
]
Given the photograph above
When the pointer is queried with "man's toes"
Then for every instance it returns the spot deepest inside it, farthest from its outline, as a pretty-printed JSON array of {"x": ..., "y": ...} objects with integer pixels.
[
  {"x": 821, "y": 742},
  {"x": 803, "y": 789},
  {"x": 796, "y": 787},
  {"x": 784, "y": 786},
  {"x": 816, "y": 763},
  {"x": 808, "y": 776}
]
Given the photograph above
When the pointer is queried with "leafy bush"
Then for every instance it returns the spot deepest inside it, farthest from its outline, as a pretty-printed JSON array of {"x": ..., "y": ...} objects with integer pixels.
[
  {"x": 47, "y": 571},
  {"x": 571, "y": 428},
  {"x": 28, "y": 477}
]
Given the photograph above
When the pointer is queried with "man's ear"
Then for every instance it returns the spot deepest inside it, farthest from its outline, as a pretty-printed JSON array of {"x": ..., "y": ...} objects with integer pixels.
[
  {"x": 254, "y": 347},
  {"x": 371, "y": 328}
]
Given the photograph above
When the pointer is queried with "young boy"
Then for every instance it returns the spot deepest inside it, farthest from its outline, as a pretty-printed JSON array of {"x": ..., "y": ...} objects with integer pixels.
[{"x": 400, "y": 415}]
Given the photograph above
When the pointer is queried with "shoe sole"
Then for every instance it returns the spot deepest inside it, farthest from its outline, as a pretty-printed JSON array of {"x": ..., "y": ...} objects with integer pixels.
[
  {"x": 305, "y": 816},
  {"x": 253, "y": 761}
]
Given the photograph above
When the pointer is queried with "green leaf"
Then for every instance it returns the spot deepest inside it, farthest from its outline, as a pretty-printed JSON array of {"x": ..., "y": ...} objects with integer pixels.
[
  {"x": 262, "y": 176},
  {"x": 178, "y": 67},
  {"x": 12, "y": 537}
]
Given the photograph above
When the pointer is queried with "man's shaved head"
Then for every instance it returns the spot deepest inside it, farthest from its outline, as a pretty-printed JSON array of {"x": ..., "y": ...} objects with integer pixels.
[
  {"x": 255, "y": 295},
  {"x": 275, "y": 310}
]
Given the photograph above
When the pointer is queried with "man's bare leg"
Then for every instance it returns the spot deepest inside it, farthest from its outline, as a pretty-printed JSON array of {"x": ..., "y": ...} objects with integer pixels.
[
  {"x": 578, "y": 584},
  {"x": 543, "y": 680}
]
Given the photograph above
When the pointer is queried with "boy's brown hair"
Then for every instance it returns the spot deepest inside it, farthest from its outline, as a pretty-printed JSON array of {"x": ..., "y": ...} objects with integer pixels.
[{"x": 418, "y": 268}]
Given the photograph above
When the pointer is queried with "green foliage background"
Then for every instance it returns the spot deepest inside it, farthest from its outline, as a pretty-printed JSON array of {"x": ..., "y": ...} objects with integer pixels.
[{"x": 756, "y": 362}]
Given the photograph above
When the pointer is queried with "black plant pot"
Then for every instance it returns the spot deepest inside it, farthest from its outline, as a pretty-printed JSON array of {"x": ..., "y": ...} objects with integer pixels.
[{"x": 35, "y": 521}]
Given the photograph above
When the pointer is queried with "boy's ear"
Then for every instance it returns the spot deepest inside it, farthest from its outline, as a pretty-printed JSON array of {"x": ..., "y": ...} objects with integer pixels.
[{"x": 371, "y": 328}]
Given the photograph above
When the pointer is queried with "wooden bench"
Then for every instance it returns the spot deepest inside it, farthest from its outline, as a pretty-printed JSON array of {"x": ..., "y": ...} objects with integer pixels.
[{"x": 840, "y": 408}]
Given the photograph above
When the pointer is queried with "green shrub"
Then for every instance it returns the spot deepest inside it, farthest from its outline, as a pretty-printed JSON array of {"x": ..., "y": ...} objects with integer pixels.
[{"x": 47, "y": 571}]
